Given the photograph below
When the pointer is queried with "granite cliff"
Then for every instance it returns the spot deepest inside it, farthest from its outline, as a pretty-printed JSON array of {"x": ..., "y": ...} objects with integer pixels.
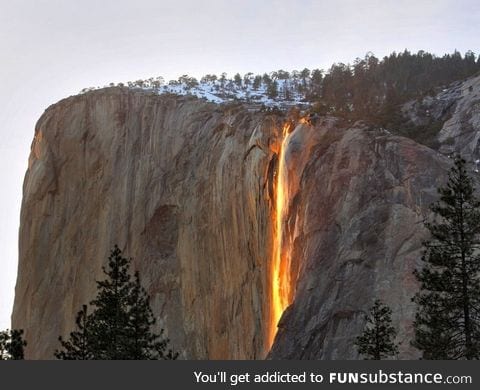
[
  {"x": 187, "y": 188},
  {"x": 356, "y": 226},
  {"x": 180, "y": 185}
]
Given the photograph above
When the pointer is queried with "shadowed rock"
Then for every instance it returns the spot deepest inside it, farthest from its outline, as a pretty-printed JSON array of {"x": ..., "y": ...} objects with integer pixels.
[
  {"x": 181, "y": 186},
  {"x": 186, "y": 188},
  {"x": 356, "y": 224}
]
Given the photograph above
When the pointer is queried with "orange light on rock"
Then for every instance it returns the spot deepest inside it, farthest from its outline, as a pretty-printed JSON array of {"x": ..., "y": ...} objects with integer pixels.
[{"x": 280, "y": 270}]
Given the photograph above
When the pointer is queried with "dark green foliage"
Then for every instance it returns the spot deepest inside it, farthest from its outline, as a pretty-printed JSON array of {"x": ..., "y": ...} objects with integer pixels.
[
  {"x": 15, "y": 349},
  {"x": 190, "y": 82},
  {"x": 378, "y": 339},
  {"x": 367, "y": 89},
  {"x": 77, "y": 347},
  {"x": 238, "y": 79},
  {"x": 145, "y": 344},
  {"x": 257, "y": 81},
  {"x": 109, "y": 320},
  {"x": 119, "y": 328},
  {"x": 4, "y": 338},
  {"x": 447, "y": 322},
  {"x": 12, "y": 344},
  {"x": 371, "y": 89},
  {"x": 305, "y": 75},
  {"x": 272, "y": 90},
  {"x": 424, "y": 134},
  {"x": 315, "y": 91}
]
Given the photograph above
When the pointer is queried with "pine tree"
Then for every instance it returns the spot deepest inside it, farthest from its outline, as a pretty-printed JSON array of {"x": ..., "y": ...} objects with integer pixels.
[
  {"x": 145, "y": 345},
  {"x": 12, "y": 344},
  {"x": 109, "y": 325},
  {"x": 4, "y": 337},
  {"x": 378, "y": 338},
  {"x": 119, "y": 328},
  {"x": 78, "y": 346},
  {"x": 257, "y": 82},
  {"x": 447, "y": 322},
  {"x": 272, "y": 90},
  {"x": 238, "y": 80}
]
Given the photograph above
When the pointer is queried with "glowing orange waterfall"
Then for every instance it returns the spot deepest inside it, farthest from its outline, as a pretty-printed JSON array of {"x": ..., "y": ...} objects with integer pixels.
[{"x": 280, "y": 270}]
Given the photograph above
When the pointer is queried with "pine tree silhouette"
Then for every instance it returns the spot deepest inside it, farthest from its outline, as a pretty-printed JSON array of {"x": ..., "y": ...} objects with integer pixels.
[
  {"x": 12, "y": 344},
  {"x": 447, "y": 322},
  {"x": 378, "y": 338},
  {"x": 77, "y": 347},
  {"x": 119, "y": 327}
]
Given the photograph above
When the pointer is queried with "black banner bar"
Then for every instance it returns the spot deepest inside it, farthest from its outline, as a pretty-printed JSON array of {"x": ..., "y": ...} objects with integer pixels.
[{"x": 204, "y": 375}]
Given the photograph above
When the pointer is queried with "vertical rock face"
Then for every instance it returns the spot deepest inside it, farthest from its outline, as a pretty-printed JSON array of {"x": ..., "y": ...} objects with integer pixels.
[
  {"x": 456, "y": 111},
  {"x": 186, "y": 188},
  {"x": 461, "y": 131},
  {"x": 356, "y": 224},
  {"x": 181, "y": 186}
]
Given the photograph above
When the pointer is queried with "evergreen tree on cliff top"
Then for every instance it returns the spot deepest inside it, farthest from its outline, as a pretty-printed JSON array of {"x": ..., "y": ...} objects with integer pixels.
[
  {"x": 119, "y": 328},
  {"x": 447, "y": 322},
  {"x": 378, "y": 339}
]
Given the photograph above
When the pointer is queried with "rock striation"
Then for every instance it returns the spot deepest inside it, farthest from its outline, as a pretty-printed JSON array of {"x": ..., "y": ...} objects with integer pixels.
[
  {"x": 456, "y": 112},
  {"x": 356, "y": 224},
  {"x": 181, "y": 185},
  {"x": 186, "y": 188}
]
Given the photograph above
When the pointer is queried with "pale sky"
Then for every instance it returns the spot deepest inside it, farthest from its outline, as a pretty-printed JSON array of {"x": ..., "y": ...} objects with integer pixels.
[{"x": 53, "y": 48}]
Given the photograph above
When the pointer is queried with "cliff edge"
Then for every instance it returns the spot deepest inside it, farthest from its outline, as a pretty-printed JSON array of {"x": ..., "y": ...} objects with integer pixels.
[{"x": 187, "y": 189}]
